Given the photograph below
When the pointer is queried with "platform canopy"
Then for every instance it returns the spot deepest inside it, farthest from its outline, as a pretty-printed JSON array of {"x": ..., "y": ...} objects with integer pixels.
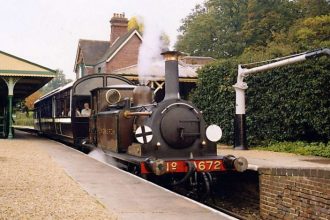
[
  {"x": 19, "y": 78},
  {"x": 29, "y": 76}
]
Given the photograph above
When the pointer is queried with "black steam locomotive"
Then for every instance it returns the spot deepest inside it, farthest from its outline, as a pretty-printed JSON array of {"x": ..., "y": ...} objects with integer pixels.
[{"x": 165, "y": 138}]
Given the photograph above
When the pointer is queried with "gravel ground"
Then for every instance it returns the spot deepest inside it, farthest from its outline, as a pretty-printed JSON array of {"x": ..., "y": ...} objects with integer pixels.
[{"x": 32, "y": 186}]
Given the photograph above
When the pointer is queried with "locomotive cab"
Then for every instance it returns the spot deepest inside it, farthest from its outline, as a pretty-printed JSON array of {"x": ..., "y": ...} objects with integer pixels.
[{"x": 108, "y": 129}]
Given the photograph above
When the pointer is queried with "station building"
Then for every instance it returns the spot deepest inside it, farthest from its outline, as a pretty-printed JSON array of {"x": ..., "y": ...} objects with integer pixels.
[
  {"x": 19, "y": 78},
  {"x": 119, "y": 55}
]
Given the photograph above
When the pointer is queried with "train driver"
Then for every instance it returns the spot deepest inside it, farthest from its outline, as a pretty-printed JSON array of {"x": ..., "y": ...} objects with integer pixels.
[{"x": 86, "y": 111}]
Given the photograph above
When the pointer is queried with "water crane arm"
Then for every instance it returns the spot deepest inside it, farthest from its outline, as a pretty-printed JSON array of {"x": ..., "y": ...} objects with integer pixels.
[
  {"x": 241, "y": 86},
  {"x": 244, "y": 72}
]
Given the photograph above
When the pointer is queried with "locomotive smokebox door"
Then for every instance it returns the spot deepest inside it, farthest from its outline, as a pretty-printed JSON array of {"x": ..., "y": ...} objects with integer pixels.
[{"x": 180, "y": 126}]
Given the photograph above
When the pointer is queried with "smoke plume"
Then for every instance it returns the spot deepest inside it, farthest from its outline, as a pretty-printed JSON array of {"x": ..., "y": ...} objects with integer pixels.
[{"x": 149, "y": 52}]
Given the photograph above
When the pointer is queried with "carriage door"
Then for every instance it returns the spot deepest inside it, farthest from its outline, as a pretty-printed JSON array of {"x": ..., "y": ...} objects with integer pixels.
[{"x": 56, "y": 113}]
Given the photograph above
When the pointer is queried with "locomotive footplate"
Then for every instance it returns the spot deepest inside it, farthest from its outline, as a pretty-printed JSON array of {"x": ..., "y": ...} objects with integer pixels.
[
  {"x": 181, "y": 166},
  {"x": 212, "y": 164}
]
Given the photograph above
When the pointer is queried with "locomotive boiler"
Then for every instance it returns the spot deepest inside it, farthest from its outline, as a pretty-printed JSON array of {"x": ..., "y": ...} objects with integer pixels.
[{"x": 165, "y": 138}]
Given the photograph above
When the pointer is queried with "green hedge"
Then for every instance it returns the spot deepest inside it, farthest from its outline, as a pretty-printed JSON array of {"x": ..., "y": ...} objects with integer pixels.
[
  {"x": 299, "y": 147},
  {"x": 286, "y": 104},
  {"x": 23, "y": 119}
]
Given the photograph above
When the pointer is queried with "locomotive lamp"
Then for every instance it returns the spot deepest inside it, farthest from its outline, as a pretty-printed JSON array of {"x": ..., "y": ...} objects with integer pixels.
[
  {"x": 241, "y": 86},
  {"x": 213, "y": 133}
]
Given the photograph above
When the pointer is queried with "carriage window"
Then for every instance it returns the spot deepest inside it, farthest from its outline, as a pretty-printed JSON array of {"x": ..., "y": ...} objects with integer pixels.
[
  {"x": 63, "y": 104},
  {"x": 59, "y": 105},
  {"x": 82, "y": 107},
  {"x": 114, "y": 81},
  {"x": 86, "y": 86},
  {"x": 46, "y": 109},
  {"x": 67, "y": 104}
]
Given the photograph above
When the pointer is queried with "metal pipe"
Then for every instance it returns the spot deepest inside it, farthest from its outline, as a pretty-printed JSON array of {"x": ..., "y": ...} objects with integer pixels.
[
  {"x": 128, "y": 114},
  {"x": 191, "y": 170}
]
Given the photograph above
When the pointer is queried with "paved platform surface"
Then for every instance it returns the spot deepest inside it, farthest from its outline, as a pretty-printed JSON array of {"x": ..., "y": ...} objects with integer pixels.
[
  {"x": 122, "y": 195},
  {"x": 33, "y": 186},
  {"x": 267, "y": 159}
]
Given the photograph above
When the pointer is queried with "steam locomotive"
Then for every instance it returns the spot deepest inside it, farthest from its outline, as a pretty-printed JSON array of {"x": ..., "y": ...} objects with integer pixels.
[{"x": 159, "y": 139}]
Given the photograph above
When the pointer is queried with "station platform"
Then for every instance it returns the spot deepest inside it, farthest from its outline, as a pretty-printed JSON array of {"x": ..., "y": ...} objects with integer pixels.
[
  {"x": 289, "y": 186},
  {"x": 259, "y": 159},
  {"x": 42, "y": 179}
]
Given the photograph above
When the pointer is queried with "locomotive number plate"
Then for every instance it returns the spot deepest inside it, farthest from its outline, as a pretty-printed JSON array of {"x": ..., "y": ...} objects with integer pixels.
[
  {"x": 181, "y": 166},
  {"x": 200, "y": 166},
  {"x": 208, "y": 165}
]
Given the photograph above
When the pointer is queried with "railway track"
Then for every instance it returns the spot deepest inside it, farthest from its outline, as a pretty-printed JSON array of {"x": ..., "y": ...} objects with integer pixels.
[
  {"x": 212, "y": 204},
  {"x": 226, "y": 211}
]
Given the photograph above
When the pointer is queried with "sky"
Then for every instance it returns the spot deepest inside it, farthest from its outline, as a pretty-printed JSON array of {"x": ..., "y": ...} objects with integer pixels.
[{"x": 47, "y": 32}]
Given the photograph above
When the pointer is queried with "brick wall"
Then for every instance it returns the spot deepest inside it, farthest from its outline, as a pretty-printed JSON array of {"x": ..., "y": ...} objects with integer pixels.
[
  {"x": 127, "y": 56},
  {"x": 239, "y": 193},
  {"x": 294, "y": 193},
  {"x": 89, "y": 70}
]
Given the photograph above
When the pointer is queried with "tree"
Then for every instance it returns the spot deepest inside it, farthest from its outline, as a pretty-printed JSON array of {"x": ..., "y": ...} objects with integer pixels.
[
  {"x": 198, "y": 37},
  {"x": 265, "y": 18},
  {"x": 213, "y": 29},
  {"x": 242, "y": 31},
  {"x": 253, "y": 29},
  {"x": 312, "y": 8},
  {"x": 311, "y": 33},
  {"x": 137, "y": 23},
  {"x": 58, "y": 81},
  {"x": 29, "y": 101}
]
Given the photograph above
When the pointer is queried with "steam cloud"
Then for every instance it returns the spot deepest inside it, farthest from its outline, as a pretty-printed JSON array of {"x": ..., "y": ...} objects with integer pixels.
[
  {"x": 150, "y": 60},
  {"x": 99, "y": 155}
]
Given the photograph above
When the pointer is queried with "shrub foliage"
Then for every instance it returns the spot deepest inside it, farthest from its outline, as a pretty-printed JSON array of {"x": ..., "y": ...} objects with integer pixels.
[
  {"x": 299, "y": 147},
  {"x": 285, "y": 104}
]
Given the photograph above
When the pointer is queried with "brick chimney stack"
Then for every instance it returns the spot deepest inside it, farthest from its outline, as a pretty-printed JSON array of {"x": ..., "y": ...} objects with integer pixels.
[{"x": 119, "y": 26}]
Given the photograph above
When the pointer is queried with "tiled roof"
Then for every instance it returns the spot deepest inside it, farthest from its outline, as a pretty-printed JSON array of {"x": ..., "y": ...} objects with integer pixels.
[
  {"x": 115, "y": 46},
  {"x": 93, "y": 50},
  {"x": 157, "y": 69}
]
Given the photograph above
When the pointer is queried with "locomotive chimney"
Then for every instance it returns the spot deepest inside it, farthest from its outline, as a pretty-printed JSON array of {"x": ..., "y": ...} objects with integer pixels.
[{"x": 171, "y": 75}]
